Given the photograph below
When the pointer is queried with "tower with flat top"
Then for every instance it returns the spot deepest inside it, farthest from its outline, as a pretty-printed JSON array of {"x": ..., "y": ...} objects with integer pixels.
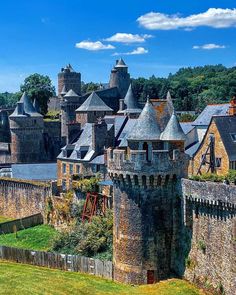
[{"x": 146, "y": 175}]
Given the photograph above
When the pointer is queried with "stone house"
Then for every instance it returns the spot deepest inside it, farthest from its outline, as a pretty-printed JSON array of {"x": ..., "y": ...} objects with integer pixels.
[{"x": 217, "y": 151}]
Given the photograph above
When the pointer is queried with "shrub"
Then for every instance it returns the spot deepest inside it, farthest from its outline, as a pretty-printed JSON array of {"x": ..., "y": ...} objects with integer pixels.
[{"x": 92, "y": 239}]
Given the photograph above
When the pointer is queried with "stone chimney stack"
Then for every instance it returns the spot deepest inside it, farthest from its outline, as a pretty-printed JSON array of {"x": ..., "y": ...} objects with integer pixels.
[{"x": 232, "y": 108}]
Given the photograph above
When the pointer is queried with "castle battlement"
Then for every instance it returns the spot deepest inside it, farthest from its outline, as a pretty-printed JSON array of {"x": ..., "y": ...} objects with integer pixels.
[{"x": 131, "y": 167}]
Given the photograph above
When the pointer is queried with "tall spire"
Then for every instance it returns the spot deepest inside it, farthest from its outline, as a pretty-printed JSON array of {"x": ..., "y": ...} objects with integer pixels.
[
  {"x": 131, "y": 101},
  {"x": 173, "y": 130},
  {"x": 147, "y": 126}
]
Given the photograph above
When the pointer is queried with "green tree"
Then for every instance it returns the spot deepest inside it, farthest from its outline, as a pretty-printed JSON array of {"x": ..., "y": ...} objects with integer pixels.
[{"x": 39, "y": 87}]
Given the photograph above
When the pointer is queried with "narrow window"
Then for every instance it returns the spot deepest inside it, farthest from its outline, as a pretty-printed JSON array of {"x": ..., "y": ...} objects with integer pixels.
[{"x": 218, "y": 162}]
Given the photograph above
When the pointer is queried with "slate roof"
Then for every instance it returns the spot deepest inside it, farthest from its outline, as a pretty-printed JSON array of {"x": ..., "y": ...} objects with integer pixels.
[
  {"x": 93, "y": 103},
  {"x": 125, "y": 132},
  {"x": 173, "y": 130},
  {"x": 187, "y": 127},
  {"x": 192, "y": 149},
  {"x": 28, "y": 108},
  {"x": 131, "y": 102},
  {"x": 227, "y": 126},
  {"x": 211, "y": 110},
  {"x": 41, "y": 172},
  {"x": 117, "y": 121},
  {"x": 146, "y": 126},
  {"x": 63, "y": 91},
  {"x": 71, "y": 93},
  {"x": 121, "y": 64}
]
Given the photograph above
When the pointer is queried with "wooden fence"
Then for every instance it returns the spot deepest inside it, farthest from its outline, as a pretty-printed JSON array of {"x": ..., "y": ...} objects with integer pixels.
[
  {"x": 22, "y": 223},
  {"x": 64, "y": 262}
]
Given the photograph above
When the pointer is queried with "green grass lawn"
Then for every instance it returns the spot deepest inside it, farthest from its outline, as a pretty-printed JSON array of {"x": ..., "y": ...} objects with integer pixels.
[
  {"x": 23, "y": 279},
  {"x": 35, "y": 238},
  {"x": 4, "y": 219}
]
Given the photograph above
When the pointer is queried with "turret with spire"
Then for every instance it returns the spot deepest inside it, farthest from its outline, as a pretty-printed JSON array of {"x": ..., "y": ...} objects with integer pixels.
[
  {"x": 120, "y": 77},
  {"x": 146, "y": 174},
  {"x": 26, "y": 125}
]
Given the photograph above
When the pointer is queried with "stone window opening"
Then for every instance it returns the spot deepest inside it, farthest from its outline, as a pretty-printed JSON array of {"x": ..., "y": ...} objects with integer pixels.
[
  {"x": 145, "y": 148},
  {"x": 218, "y": 162},
  {"x": 136, "y": 180},
  {"x": 151, "y": 179},
  {"x": 144, "y": 181}
]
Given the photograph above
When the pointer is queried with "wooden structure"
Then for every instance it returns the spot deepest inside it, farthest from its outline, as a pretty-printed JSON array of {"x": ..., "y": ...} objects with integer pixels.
[{"x": 95, "y": 204}]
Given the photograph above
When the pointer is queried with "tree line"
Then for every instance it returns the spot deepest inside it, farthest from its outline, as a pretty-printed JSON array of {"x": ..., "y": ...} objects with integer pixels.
[{"x": 191, "y": 88}]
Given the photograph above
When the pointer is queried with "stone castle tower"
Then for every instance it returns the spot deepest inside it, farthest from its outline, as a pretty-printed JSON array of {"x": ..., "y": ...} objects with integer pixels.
[
  {"x": 69, "y": 79},
  {"x": 26, "y": 126},
  {"x": 120, "y": 77},
  {"x": 146, "y": 176}
]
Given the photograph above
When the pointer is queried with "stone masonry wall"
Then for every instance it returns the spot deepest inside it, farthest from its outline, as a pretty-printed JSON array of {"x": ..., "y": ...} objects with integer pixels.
[
  {"x": 210, "y": 220},
  {"x": 21, "y": 198}
]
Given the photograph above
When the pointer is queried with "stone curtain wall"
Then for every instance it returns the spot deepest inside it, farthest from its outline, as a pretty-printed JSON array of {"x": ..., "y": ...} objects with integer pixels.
[
  {"x": 210, "y": 221},
  {"x": 21, "y": 198}
]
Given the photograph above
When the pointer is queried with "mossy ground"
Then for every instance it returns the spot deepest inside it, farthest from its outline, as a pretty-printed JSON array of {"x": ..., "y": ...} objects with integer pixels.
[{"x": 23, "y": 279}]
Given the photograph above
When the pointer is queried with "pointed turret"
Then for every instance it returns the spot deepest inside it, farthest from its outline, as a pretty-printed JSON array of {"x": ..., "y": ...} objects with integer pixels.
[
  {"x": 120, "y": 64},
  {"x": 63, "y": 92},
  {"x": 94, "y": 103},
  {"x": 173, "y": 130},
  {"x": 25, "y": 108},
  {"x": 169, "y": 103},
  {"x": 147, "y": 126}
]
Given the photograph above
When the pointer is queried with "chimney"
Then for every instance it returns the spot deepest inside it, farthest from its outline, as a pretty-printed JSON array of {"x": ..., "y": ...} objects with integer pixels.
[{"x": 232, "y": 108}]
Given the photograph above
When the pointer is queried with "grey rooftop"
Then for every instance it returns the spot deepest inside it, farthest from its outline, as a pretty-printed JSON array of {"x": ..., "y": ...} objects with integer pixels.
[
  {"x": 173, "y": 130},
  {"x": 27, "y": 108},
  {"x": 71, "y": 93},
  {"x": 94, "y": 103},
  {"x": 120, "y": 64},
  {"x": 146, "y": 126},
  {"x": 131, "y": 102}
]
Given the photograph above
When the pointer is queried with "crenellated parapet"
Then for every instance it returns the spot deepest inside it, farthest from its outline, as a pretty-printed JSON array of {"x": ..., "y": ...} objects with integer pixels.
[{"x": 131, "y": 167}]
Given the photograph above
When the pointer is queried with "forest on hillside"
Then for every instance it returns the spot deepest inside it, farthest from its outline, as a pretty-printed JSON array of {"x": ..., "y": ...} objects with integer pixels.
[{"x": 191, "y": 88}]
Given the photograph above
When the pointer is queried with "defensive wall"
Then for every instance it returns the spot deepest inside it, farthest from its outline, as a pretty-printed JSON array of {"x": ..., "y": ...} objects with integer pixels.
[
  {"x": 209, "y": 215},
  {"x": 22, "y": 198}
]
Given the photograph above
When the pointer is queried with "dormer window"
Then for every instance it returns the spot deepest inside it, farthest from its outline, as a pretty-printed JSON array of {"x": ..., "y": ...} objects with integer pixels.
[{"x": 64, "y": 153}]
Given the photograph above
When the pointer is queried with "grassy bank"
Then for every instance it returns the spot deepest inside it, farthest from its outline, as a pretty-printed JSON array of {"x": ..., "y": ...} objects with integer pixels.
[
  {"x": 24, "y": 279},
  {"x": 5, "y": 219},
  {"x": 35, "y": 238}
]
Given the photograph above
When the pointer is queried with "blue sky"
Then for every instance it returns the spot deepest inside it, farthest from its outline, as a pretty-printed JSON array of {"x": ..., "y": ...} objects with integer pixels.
[{"x": 153, "y": 37}]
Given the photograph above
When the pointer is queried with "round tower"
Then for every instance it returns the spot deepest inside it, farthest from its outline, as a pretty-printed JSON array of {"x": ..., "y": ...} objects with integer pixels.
[
  {"x": 26, "y": 126},
  {"x": 120, "y": 77},
  {"x": 146, "y": 175},
  {"x": 69, "y": 79}
]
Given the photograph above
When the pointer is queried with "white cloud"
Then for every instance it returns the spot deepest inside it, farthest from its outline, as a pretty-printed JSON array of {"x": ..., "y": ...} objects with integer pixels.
[
  {"x": 128, "y": 38},
  {"x": 137, "y": 51},
  {"x": 209, "y": 46},
  {"x": 93, "y": 46},
  {"x": 213, "y": 17}
]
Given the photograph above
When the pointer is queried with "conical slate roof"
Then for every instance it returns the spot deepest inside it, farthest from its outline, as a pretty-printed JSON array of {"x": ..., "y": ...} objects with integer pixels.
[
  {"x": 71, "y": 93},
  {"x": 146, "y": 127},
  {"x": 169, "y": 103},
  {"x": 26, "y": 106},
  {"x": 120, "y": 64},
  {"x": 173, "y": 130},
  {"x": 36, "y": 106},
  {"x": 94, "y": 103},
  {"x": 131, "y": 102},
  {"x": 63, "y": 92}
]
